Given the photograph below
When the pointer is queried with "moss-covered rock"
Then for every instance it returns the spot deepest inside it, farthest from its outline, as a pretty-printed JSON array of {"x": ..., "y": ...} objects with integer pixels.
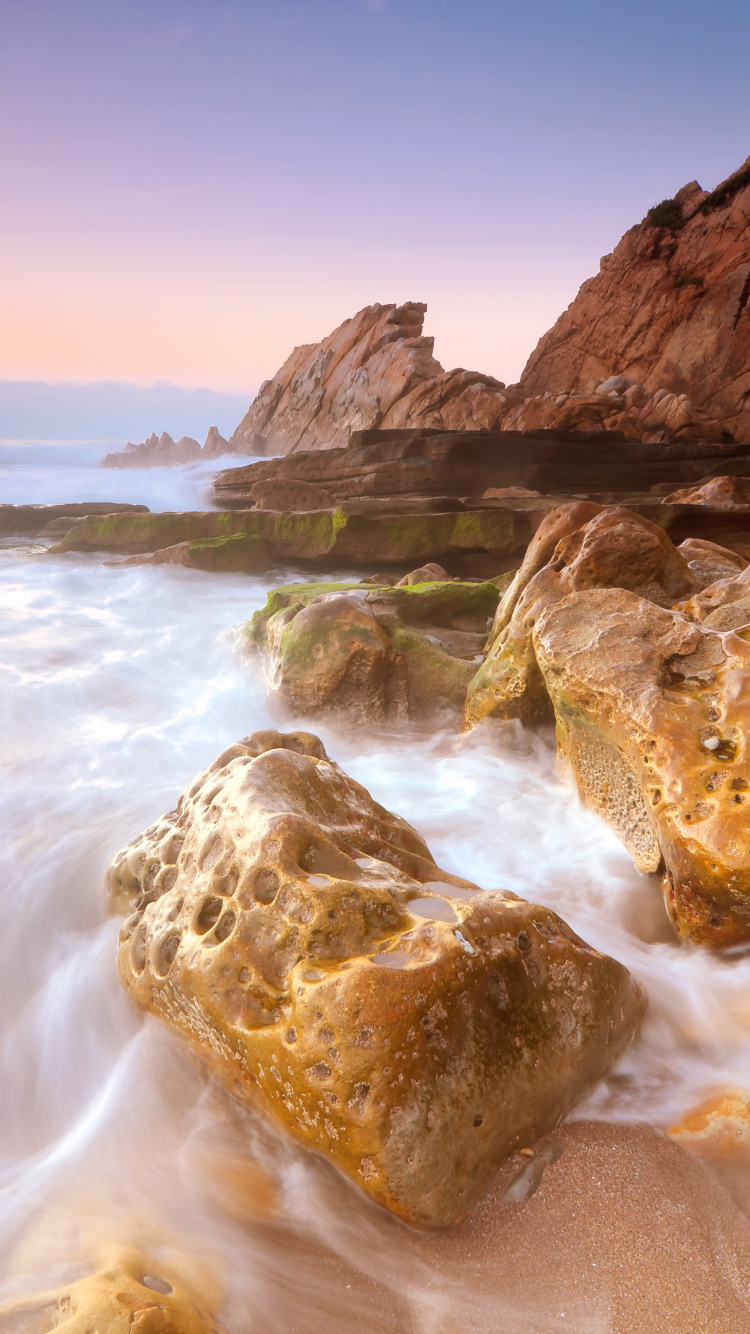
[
  {"x": 315, "y": 535},
  {"x": 372, "y": 651}
]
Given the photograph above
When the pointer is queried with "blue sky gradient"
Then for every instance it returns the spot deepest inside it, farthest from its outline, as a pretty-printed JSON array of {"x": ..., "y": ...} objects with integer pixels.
[{"x": 189, "y": 189}]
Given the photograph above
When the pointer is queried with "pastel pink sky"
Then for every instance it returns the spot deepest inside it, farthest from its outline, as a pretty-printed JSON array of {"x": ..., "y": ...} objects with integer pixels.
[{"x": 189, "y": 189}]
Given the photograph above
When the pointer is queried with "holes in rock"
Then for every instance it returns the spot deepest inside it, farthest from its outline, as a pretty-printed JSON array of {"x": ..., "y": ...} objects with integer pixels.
[
  {"x": 208, "y": 915},
  {"x": 128, "y": 927},
  {"x": 244, "y": 976},
  {"x": 175, "y": 912},
  {"x": 226, "y": 926},
  {"x": 327, "y": 861},
  {"x": 524, "y": 942},
  {"x": 138, "y": 950},
  {"x": 478, "y": 1121},
  {"x": 739, "y": 784},
  {"x": 168, "y": 879},
  {"x": 165, "y": 955},
  {"x": 656, "y": 797},
  {"x": 157, "y": 1284},
  {"x": 226, "y": 884},
  {"x": 266, "y": 885},
  {"x": 211, "y": 853}
]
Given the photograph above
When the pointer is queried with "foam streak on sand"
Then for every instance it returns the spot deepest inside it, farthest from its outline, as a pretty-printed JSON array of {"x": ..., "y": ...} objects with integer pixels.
[{"x": 117, "y": 685}]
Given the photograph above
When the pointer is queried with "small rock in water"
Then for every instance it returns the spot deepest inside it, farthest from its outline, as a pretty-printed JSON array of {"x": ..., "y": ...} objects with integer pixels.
[{"x": 529, "y": 1178}]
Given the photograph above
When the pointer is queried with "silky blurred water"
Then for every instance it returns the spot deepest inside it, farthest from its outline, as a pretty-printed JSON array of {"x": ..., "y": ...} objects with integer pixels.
[{"x": 117, "y": 685}]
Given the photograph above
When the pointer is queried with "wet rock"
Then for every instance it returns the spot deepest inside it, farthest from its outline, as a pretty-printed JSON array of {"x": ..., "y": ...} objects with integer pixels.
[
  {"x": 155, "y": 452},
  {"x": 39, "y": 518},
  {"x": 404, "y": 1023},
  {"x": 723, "y": 605},
  {"x": 651, "y": 721},
  {"x": 426, "y": 574},
  {"x": 708, "y": 561},
  {"x": 371, "y": 653},
  {"x": 325, "y": 536},
  {"x": 131, "y": 1296},
  {"x": 578, "y": 546},
  {"x": 719, "y": 492},
  {"x": 240, "y": 553},
  {"x": 556, "y": 462},
  {"x": 294, "y": 496},
  {"x": 719, "y": 1128},
  {"x": 214, "y": 445},
  {"x": 526, "y": 1182}
]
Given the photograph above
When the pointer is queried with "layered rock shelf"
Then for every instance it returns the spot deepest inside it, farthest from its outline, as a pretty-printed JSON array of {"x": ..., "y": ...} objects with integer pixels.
[{"x": 420, "y": 463}]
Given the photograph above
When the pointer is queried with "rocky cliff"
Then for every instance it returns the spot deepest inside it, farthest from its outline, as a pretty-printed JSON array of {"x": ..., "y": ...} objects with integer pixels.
[
  {"x": 668, "y": 314},
  {"x": 656, "y": 346},
  {"x": 375, "y": 370}
]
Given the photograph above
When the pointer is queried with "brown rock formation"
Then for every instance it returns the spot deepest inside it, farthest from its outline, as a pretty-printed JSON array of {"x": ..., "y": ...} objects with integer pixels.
[
  {"x": 468, "y": 463},
  {"x": 375, "y": 370},
  {"x": 651, "y": 720},
  {"x": 371, "y": 653},
  {"x": 411, "y": 1027},
  {"x": 708, "y": 561},
  {"x": 577, "y": 546},
  {"x": 667, "y": 313},
  {"x": 162, "y": 451},
  {"x": 719, "y": 492},
  {"x": 719, "y": 1128},
  {"x": 295, "y": 496},
  {"x": 129, "y": 1296}
]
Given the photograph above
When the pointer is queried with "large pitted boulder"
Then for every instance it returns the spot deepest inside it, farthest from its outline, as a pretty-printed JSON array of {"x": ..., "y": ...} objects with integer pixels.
[
  {"x": 652, "y": 717},
  {"x": 410, "y": 1026},
  {"x": 370, "y": 653},
  {"x": 724, "y": 605},
  {"x": 129, "y": 1296},
  {"x": 578, "y": 546}
]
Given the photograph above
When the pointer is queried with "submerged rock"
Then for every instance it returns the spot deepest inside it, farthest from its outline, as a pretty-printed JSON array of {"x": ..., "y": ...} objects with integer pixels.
[
  {"x": 719, "y": 1128},
  {"x": 131, "y": 1296},
  {"x": 406, "y": 1024},
  {"x": 370, "y": 653},
  {"x": 577, "y": 546},
  {"x": 652, "y": 718}
]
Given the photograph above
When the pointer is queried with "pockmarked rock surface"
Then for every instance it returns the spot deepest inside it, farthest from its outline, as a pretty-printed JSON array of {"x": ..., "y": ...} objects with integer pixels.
[
  {"x": 370, "y": 653},
  {"x": 580, "y": 545},
  {"x": 667, "y": 314},
  {"x": 409, "y": 1026},
  {"x": 652, "y": 718},
  {"x": 129, "y": 1296}
]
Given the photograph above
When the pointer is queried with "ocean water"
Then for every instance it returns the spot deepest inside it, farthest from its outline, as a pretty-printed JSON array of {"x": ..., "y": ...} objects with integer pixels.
[{"x": 117, "y": 685}]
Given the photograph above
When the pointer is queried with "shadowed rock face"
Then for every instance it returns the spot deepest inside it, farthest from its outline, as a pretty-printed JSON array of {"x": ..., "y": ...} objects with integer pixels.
[
  {"x": 411, "y": 1027},
  {"x": 132, "y": 1296},
  {"x": 370, "y": 653},
  {"x": 653, "y": 721},
  {"x": 669, "y": 310},
  {"x": 578, "y": 546}
]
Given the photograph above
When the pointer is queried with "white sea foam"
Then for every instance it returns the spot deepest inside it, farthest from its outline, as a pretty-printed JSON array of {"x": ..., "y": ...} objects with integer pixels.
[{"x": 116, "y": 686}]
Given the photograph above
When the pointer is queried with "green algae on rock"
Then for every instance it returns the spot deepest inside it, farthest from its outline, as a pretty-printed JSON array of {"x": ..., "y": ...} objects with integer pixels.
[
  {"x": 342, "y": 535},
  {"x": 373, "y": 652},
  {"x": 409, "y": 1026},
  {"x": 578, "y": 546}
]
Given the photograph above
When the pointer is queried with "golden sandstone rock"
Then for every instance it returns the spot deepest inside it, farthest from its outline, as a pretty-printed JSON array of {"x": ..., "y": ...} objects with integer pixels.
[
  {"x": 411, "y": 1027},
  {"x": 129, "y": 1296},
  {"x": 719, "y": 1128},
  {"x": 652, "y": 718},
  {"x": 578, "y": 546}
]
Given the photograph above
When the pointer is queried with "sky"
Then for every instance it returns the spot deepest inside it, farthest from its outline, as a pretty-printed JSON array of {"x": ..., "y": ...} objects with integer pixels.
[{"x": 189, "y": 189}]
